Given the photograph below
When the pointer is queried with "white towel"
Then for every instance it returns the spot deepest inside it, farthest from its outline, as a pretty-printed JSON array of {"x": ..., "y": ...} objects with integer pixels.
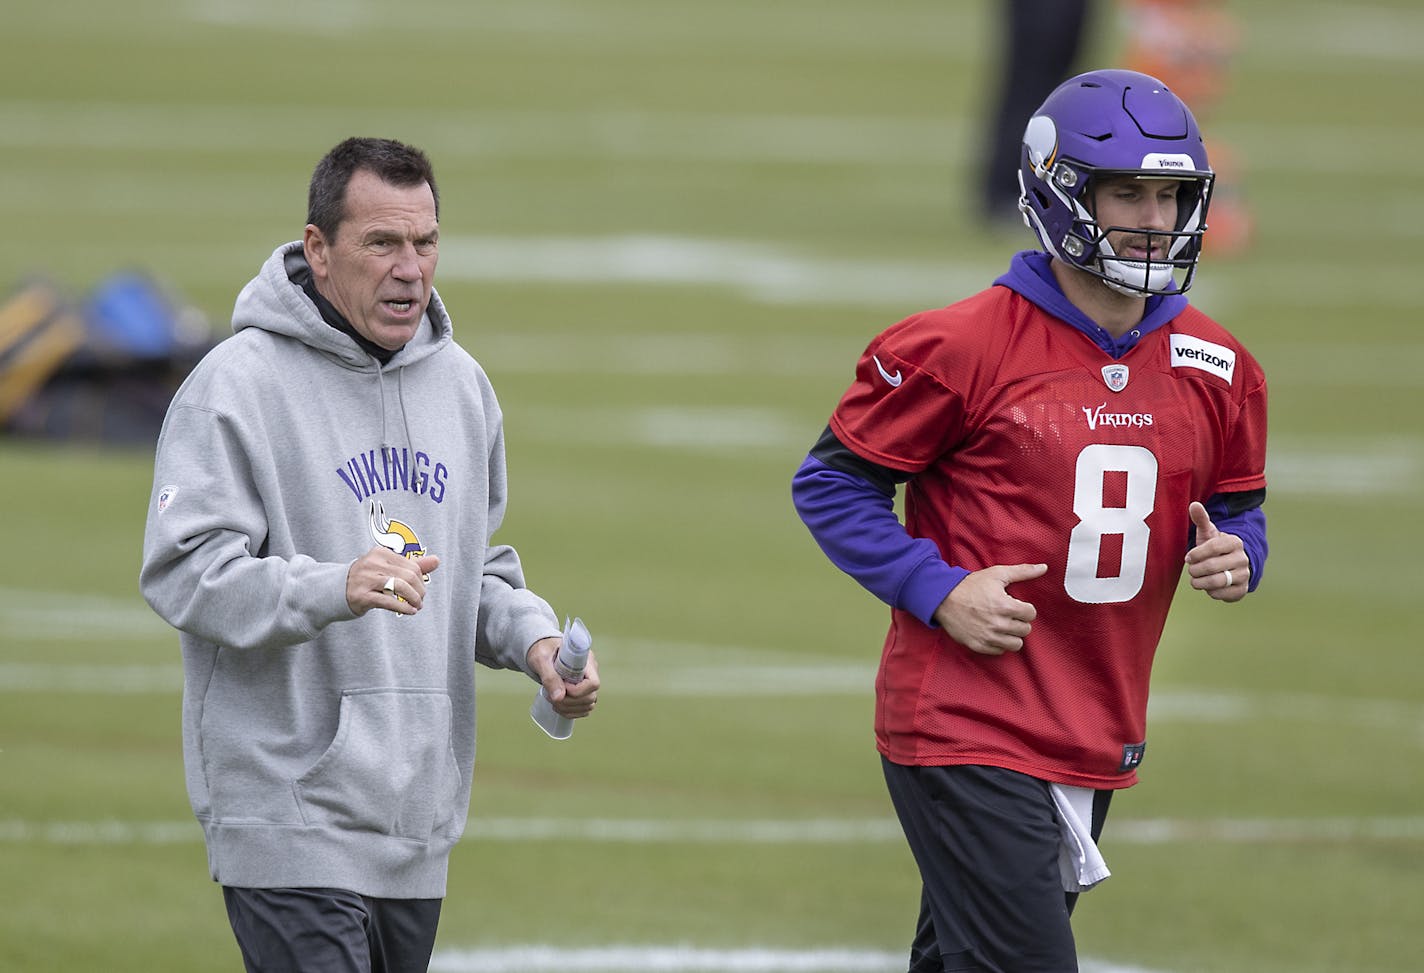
[{"x": 1080, "y": 863}]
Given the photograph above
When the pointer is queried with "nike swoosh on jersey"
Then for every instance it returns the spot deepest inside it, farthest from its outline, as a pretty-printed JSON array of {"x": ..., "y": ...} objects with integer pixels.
[{"x": 894, "y": 380}]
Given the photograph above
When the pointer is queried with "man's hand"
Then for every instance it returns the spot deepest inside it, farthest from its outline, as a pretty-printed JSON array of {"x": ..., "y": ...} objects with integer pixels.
[
  {"x": 569, "y": 700},
  {"x": 981, "y": 615},
  {"x": 369, "y": 574},
  {"x": 1218, "y": 564}
]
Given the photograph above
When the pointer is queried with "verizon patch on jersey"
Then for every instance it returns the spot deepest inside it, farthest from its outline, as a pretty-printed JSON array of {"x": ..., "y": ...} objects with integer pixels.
[{"x": 1190, "y": 352}]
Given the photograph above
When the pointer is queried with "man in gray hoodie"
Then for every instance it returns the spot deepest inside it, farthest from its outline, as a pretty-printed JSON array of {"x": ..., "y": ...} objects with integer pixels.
[{"x": 327, "y": 486}]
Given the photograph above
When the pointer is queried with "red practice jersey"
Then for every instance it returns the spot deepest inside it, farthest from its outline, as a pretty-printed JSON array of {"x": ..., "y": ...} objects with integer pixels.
[{"x": 1028, "y": 444}]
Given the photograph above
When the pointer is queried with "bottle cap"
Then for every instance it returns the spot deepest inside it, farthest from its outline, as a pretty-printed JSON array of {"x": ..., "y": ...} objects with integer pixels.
[{"x": 577, "y": 641}]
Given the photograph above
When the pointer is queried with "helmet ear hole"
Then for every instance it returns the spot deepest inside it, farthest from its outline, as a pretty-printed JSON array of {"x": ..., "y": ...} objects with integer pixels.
[{"x": 1190, "y": 202}]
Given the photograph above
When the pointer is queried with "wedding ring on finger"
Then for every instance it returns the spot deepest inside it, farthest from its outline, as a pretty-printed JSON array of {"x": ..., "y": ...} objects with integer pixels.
[
  {"x": 1229, "y": 580},
  {"x": 390, "y": 586}
]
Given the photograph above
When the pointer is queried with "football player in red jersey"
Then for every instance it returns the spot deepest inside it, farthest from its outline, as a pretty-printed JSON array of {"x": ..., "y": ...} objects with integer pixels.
[{"x": 1069, "y": 440}]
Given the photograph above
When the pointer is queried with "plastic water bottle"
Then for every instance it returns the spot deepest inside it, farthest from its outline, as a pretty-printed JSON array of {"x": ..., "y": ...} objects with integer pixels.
[{"x": 569, "y": 664}]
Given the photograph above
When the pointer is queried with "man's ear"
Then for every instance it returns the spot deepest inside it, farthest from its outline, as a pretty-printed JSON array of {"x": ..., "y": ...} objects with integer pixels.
[{"x": 314, "y": 247}]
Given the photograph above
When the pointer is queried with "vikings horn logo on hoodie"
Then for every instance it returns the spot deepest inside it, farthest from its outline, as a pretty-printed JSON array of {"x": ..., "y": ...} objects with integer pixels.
[{"x": 392, "y": 534}]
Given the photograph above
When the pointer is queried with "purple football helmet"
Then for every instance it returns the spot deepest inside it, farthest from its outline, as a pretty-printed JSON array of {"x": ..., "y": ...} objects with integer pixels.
[{"x": 1112, "y": 123}]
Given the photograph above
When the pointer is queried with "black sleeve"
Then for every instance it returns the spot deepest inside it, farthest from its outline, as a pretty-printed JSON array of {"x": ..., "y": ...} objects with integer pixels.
[
  {"x": 838, "y": 456},
  {"x": 1238, "y": 503}
]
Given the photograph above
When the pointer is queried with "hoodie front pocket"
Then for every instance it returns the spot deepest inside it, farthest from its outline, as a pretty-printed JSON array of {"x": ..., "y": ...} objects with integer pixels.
[{"x": 389, "y": 769}]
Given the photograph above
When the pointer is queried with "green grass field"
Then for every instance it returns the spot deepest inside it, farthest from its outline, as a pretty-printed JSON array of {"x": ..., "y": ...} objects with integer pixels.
[{"x": 668, "y": 228}]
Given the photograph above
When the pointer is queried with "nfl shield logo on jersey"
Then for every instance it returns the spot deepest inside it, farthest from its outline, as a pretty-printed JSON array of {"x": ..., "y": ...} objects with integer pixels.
[{"x": 1116, "y": 376}]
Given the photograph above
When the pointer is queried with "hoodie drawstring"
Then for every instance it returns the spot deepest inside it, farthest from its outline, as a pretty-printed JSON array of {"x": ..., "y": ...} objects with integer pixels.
[
  {"x": 400, "y": 400},
  {"x": 386, "y": 444},
  {"x": 381, "y": 383}
]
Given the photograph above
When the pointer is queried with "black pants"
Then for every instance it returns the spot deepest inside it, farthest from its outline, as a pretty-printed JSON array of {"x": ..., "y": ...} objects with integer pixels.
[
  {"x": 1038, "y": 43},
  {"x": 331, "y": 931},
  {"x": 986, "y": 842}
]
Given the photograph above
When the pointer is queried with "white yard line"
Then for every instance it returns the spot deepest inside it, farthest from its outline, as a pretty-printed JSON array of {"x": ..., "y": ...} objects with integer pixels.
[
  {"x": 647, "y": 959},
  {"x": 510, "y": 134},
  {"x": 825, "y": 139},
  {"x": 688, "y": 959},
  {"x": 760, "y": 271}
]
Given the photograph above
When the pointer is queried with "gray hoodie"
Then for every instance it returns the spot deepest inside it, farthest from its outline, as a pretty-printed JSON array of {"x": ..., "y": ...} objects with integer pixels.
[{"x": 322, "y": 749}]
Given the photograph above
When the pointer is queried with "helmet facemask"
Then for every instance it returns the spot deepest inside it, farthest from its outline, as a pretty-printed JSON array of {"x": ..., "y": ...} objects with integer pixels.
[{"x": 1181, "y": 244}]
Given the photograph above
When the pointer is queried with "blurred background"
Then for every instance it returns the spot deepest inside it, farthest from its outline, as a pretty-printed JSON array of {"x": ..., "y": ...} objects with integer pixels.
[{"x": 668, "y": 230}]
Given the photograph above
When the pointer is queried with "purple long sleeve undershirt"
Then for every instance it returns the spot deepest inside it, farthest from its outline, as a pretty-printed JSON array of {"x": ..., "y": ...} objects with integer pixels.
[{"x": 855, "y": 524}]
